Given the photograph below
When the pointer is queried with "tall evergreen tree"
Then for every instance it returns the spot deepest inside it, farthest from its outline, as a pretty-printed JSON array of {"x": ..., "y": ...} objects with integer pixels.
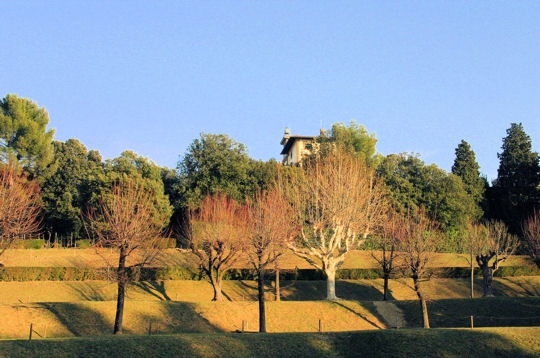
[
  {"x": 466, "y": 167},
  {"x": 515, "y": 191}
]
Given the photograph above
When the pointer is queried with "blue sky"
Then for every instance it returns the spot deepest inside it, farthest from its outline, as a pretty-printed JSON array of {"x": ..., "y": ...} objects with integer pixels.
[{"x": 150, "y": 76}]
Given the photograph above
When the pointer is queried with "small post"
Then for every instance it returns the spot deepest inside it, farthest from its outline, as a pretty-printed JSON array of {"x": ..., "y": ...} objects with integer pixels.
[
  {"x": 472, "y": 322},
  {"x": 150, "y": 328},
  {"x": 243, "y": 326},
  {"x": 320, "y": 325},
  {"x": 31, "y": 330}
]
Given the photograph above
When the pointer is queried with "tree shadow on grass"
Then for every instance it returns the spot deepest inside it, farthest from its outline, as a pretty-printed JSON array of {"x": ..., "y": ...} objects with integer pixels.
[
  {"x": 79, "y": 319},
  {"x": 90, "y": 292},
  {"x": 154, "y": 288},
  {"x": 373, "y": 311},
  {"x": 486, "y": 312},
  {"x": 427, "y": 343},
  {"x": 508, "y": 287},
  {"x": 388, "y": 343},
  {"x": 180, "y": 317},
  {"x": 316, "y": 290}
]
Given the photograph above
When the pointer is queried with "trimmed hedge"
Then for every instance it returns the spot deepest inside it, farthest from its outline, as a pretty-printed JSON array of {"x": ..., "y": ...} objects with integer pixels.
[{"x": 181, "y": 273}]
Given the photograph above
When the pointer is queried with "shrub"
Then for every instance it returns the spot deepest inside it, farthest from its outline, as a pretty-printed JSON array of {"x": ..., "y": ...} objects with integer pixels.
[{"x": 83, "y": 243}]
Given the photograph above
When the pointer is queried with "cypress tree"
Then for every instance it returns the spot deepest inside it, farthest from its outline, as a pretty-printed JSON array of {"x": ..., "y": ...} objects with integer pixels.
[
  {"x": 515, "y": 191},
  {"x": 466, "y": 167}
]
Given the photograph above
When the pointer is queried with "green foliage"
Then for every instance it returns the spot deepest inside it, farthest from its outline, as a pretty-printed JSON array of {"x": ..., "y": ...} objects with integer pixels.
[
  {"x": 215, "y": 163},
  {"x": 23, "y": 132},
  {"x": 466, "y": 167},
  {"x": 52, "y": 274},
  {"x": 96, "y": 273},
  {"x": 136, "y": 168},
  {"x": 28, "y": 244},
  {"x": 74, "y": 179},
  {"x": 353, "y": 139},
  {"x": 83, "y": 244},
  {"x": 413, "y": 184},
  {"x": 515, "y": 193}
]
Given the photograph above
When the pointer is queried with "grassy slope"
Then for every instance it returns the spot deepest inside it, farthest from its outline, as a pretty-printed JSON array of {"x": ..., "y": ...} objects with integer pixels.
[
  {"x": 65, "y": 309},
  {"x": 87, "y": 308},
  {"x": 494, "y": 342}
]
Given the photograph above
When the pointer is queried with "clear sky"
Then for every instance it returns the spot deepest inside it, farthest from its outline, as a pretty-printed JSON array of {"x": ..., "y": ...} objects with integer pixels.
[{"x": 150, "y": 76}]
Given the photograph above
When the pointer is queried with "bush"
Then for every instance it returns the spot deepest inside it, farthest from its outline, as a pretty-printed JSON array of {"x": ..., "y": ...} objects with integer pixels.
[
  {"x": 28, "y": 244},
  {"x": 166, "y": 243},
  {"x": 512, "y": 271},
  {"x": 83, "y": 244}
]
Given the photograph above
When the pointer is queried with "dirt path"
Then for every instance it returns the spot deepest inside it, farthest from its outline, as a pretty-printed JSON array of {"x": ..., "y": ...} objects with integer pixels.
[{"x": 392, "y": 315}]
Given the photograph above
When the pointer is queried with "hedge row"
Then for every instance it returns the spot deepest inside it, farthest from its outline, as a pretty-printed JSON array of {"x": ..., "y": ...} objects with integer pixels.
[
  {"x": 37, "y": 243},
  {"x": 180, "y": 273}
]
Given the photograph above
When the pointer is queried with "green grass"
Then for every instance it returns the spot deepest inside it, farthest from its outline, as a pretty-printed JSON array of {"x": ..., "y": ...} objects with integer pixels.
[{"x": 494, "y": 342}]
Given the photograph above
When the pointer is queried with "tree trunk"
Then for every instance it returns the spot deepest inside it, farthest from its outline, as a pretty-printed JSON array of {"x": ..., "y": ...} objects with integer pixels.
[
  {"x": 260, "y": 296},
  {"x": 472, "y": 276},
  {"x": 385, "y": 289},
  {"x": 278, "y": 288},
  {"x": 331, "y": 283},
  {"x": 216, "y": 285},
  {"x": 122, "y": 281},
  {"x": 423, "y": 303},
  {"x": 487, "y": 272},
  {"x": 487, "y": 281}
]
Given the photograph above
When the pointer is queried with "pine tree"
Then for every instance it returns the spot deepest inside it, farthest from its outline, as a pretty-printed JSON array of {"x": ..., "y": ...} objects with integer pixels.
[{"x": 23, "y": 133}]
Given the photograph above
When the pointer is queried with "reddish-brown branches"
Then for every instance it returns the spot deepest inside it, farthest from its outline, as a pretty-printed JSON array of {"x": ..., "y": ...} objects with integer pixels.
[
  {"x": 272, "y": 226},
  {"x": 128, "y": 221},
  {"x": 531, "y": 231},
  {"x": 19, "y": 206},
  {"x": 218, "y": 229}
]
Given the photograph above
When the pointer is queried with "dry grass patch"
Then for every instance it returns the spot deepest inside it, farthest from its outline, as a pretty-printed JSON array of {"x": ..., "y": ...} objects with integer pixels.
[{"x": 63, "y": 319}]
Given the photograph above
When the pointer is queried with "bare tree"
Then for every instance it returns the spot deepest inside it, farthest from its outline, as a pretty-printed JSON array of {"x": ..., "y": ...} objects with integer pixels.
[
  {"x": 477, "y": 235},
  {"x": 418, "y": 241},
  {"x": 384, "y": 244},
  {"x": 339, "y": 200},
  {"x": 531, "y": 231},
  {"x": 218, "y": 229},
  {"x": 128, "y": 220},
  {"x": 19, "y": 205},
  {"x": 272, "y": 226},
  {"x": 496, "y": 246}
]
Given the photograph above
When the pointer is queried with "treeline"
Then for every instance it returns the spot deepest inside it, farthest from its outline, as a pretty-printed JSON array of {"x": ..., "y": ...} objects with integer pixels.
[{"x": 71, "y": 177}]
